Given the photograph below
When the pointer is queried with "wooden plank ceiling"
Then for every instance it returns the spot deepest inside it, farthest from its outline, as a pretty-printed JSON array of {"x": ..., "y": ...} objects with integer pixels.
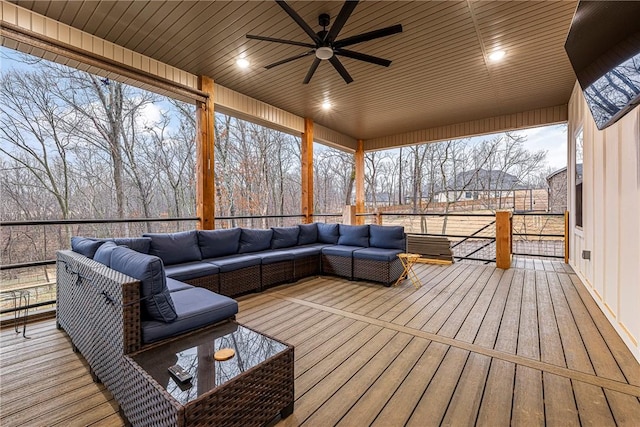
[{"x": 440, "y": 75}]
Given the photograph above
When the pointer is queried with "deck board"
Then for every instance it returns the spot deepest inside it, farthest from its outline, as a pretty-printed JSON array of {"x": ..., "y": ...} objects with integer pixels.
[{"x": 473, "y": 346}]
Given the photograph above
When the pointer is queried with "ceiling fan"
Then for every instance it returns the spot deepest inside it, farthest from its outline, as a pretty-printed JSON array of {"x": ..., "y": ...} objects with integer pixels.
[{"x": 325, "y": 46}]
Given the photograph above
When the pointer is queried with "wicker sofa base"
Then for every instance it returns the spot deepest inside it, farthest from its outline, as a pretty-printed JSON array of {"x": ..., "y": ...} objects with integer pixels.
[
  {"x": 378, "y": 271},
  {"x": 305, "y": 267},
  {"x": 337, "y": 266},
  {"x": 211, "y": 282},
  {"x": 276, "y": 273},
  {"x": 242, "y": 281}
]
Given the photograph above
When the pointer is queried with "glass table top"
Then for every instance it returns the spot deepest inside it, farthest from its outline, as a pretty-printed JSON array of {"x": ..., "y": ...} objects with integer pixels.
[{"x": 194, "y": 354}]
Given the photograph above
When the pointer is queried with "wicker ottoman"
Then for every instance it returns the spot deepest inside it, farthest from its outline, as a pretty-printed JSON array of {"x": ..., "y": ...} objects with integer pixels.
[{"x": 250, "y": 389}]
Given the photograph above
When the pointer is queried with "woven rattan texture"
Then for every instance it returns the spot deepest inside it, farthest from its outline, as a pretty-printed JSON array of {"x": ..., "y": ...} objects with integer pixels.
[
  {"x": 337, "y": 266},
  {"x": 377, "y": 271},
  {"x": 144, "y": 402},
  {"x": 211, "y": 282},
  {"x": 241, "y": 281},
  {"x": 305, "y": 267},
  {"x": 276, "y": 273}
]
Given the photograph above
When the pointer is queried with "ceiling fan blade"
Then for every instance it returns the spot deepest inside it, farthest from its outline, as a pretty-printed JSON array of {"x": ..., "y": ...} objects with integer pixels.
[
  {"x": 383, "y": 32},
  {"x": 363, "y": 57},
  {"x": 284, "y": 61},
  {"x": 271, "y": 39},
  {"x": 340, "y": 20},
  {"x": 301, "y": 22},
  {"x": 340, "y": 69},
  {"x": 312, "y": 69}
]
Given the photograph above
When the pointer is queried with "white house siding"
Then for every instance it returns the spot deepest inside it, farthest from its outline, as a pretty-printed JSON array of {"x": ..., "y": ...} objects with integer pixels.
[{"x": 611, "y": 216}]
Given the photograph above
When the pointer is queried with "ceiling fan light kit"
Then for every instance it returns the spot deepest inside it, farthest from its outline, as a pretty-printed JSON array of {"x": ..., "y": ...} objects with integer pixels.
[{"x": 325, "y": 46}]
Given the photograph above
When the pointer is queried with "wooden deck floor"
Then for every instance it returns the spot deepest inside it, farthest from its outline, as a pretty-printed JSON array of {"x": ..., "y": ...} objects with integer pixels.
[{"x": 474, "y": 345}]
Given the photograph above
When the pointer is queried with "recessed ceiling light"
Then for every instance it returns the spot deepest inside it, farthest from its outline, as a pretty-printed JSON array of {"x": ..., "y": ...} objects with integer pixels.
[
  {"x": 497, "y": 55},
  {"x": 243, "y": 63},
  {"x": 326, "y": 105}
]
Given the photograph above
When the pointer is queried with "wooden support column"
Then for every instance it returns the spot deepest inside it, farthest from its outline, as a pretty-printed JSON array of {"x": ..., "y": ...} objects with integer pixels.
[
  {"x": 205, "y": 184},
  {"x": 359, "y": 160},
  {"x": 566, "y": 237},
  {"x": 503, "y": 239},
  {"x": 307, "y": 171}
]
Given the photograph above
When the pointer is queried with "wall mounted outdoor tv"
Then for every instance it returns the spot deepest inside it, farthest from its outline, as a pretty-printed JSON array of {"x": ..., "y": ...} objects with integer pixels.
[{"x": 603, "y": 46}]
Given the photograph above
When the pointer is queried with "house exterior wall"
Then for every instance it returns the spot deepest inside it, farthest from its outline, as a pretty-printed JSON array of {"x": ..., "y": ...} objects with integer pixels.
[
  {"x": 611, "y": 219},
  {"x": 558, "y": 192}
]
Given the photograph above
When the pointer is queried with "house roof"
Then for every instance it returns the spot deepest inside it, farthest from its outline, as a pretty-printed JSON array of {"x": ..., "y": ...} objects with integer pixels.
[{"x": 441, "y": 74}]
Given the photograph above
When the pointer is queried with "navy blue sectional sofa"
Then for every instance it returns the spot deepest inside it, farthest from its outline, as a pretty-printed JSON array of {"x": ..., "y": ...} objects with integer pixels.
[{"x": 117, "y": 295}]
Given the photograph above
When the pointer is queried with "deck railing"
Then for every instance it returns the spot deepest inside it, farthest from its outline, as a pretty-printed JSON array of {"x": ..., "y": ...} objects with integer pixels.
[{"x": 28, "y": 247}]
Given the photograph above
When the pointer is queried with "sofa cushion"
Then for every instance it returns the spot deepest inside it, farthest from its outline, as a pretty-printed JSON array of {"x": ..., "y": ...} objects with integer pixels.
[
  {"x": 235, "y": 262},
  {"x": 307, "y": 250},
  {"x": 328, "y": 233},
  {"x": 377, "y": 254},
  {"x": 387, "y": 237},
  {"x": 340, "y": 250},
  {"x": 354, "y": 235},
  {"x": 308, "y": 234},
  {"x": 284, "y": 237},
  {"x": 195, "y": 307},
  {"x": 190, "y": 270},
  {"x": 217, "y": 243},
  {"x": 85, "y": 246},
  {"x": 103, "y": 254},
  {"x": 175, "y": 248},
  {"x": 138, "y": 244},
  {"x": 153, "y": 285},
  {"x": 174, "y": 286},
  {"x": 270, "y": 257},
  {"x": 254, "y": 240}
]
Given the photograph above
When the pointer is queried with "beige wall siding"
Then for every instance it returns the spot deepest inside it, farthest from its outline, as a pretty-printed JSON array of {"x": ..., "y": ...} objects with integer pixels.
[
  {"x": 611, "y": 216},
  {"x": 527, "y": 119}
]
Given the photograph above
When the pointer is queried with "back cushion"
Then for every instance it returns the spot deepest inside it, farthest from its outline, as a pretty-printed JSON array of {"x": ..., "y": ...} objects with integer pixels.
[
  {"x": 103, "y": 254},
  {"x": 308, "y": 234},
  {"x": 138, "y": 244},
  {"x": 284, "y": 237},
  {"x": 328, "y": 233},
  {"x": 175, "y": 248},
  {"x": 85, "y": 246},
  {"x": 254, "y": 240},
  {"x": 217, "y": 243},
  {"x": 156, "y": 300},
  {"x": 354, "y": 235},
  {"x": 386, "y": 237}
]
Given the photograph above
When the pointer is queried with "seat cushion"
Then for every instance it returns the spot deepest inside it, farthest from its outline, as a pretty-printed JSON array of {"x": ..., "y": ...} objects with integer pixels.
[
  {"x": 175, "y": 248},
  {"x": 103, "y": 254},
  {"x": 284, "y": 237},
  {"x": 308, "y": 234},
  {"x": 340, "y": 250},
  {"x": 174, "y": 286},
  {"x": 85, "y": 246},
  {"x": 387, "y": 237},
  {"x": 148, "y": 269},
  {"x": 328, "y": 233},
  {"x": 235, "y": 262},
  {"x": 306, "y": 251},
  {"x": 196, "y": 307},
  {"x": 269, "y": 257},
  {"x": 377, "y": 254},
  {"x": 190, "y": 270},
  {"x": 218, "y": 243},
  {"x": 254, "y": 240},
  {"x": 354, "y": 235}
]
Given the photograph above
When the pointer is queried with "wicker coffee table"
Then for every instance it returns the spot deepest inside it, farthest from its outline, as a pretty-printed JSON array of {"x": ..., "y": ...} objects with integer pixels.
[{"x": 250, "y": 389}]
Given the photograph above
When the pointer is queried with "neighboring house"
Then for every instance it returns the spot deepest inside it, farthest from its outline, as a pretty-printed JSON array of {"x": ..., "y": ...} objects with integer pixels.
[
  {"x": 557, "y": 188},
  {"x": 479, "y": 184}
]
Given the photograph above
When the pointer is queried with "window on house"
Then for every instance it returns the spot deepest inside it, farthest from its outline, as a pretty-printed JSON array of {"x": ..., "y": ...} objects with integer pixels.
[{"x": 578, "y": 177}]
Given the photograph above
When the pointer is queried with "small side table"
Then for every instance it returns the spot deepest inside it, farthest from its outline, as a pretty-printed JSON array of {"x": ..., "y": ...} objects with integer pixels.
[
  {"x": 408, "y": 260},
  {"x": 20, "y": 300}
]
